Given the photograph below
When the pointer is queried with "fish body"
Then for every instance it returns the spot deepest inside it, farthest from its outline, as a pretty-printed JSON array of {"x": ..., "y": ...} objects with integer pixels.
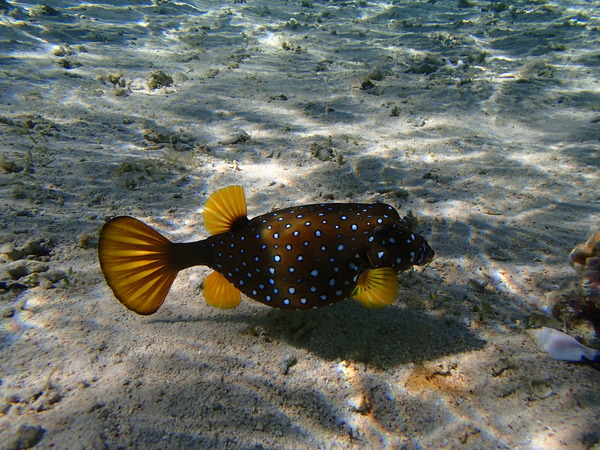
[{"x": 296, "y": 258}]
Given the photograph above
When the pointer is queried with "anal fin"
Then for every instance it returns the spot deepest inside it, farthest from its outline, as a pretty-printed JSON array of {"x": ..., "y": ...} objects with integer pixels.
[
  {"x": 221, "y": 293},
  {"x": 376, "y": 288}
]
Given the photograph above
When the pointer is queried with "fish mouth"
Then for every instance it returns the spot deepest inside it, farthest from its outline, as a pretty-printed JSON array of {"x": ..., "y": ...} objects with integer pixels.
[{"x": 426, "y": 256}]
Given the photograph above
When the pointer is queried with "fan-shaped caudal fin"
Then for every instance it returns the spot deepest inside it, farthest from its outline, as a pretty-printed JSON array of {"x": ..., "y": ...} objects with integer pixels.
[
  {"x": 135, "y": 262},
  {"x": 376, "y": 288},
  {"x": 225, "y": 209}
]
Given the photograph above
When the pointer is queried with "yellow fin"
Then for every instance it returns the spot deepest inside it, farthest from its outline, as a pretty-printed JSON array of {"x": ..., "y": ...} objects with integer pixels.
[
  {"x": 223, "y": 208},
  {"x": 134, "y": 259},
  {"x": 221, "y": 293},
  {"x": 376, "y": 288}
]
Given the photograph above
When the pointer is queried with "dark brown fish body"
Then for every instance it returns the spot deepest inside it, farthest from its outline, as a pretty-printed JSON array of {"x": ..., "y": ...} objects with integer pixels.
[
  {"x": 312, "y": 255},
  {"x": 304, "y": 257}
]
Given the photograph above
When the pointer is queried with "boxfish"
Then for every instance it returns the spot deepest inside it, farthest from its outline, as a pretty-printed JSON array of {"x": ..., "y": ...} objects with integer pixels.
[{"x": 295, "y": 258}]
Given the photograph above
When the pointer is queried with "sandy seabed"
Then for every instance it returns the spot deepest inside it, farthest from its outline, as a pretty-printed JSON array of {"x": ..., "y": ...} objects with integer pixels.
[{"x": 481, "y": 118}]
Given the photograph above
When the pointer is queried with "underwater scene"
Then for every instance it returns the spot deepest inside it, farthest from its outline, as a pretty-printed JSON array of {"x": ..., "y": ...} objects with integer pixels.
[{"x": 300, "y": 224}]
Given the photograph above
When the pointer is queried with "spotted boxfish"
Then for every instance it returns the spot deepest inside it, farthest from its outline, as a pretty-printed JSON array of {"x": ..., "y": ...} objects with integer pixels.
[{"x": 296, "y": 258}]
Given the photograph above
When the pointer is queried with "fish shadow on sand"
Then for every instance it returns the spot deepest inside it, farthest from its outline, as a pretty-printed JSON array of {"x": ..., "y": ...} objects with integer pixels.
[{"x": 383, "y": 338}]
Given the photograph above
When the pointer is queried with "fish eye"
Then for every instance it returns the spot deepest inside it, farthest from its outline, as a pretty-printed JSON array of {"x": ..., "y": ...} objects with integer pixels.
[{"x": 382, "y": 231}]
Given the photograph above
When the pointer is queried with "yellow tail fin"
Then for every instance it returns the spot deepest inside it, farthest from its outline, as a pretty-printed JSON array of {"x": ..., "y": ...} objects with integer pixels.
[{"x": 135, "y": 262}]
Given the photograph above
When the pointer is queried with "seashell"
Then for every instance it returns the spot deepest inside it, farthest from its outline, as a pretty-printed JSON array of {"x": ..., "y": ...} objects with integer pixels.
[
  {"x": 589, "y": 249},
  {"x": 561, "y": 346},
  {"x": 590, "y": 280},
  {"x": 585, "y": 259},
  {"x": 541, "y": 387}
]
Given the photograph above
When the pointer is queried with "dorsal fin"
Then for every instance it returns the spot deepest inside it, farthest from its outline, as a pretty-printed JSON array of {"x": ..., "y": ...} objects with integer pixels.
[
  {"x": 376, "y": 288},
  {"x": 224, "y": 208}
]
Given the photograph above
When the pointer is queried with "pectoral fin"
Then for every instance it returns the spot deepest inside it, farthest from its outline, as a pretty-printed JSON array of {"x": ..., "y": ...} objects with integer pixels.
[{"x": 376, "y": 288}]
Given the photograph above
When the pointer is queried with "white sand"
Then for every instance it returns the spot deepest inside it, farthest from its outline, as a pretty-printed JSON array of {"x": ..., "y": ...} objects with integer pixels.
[{"x": 494, "y": 139}]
